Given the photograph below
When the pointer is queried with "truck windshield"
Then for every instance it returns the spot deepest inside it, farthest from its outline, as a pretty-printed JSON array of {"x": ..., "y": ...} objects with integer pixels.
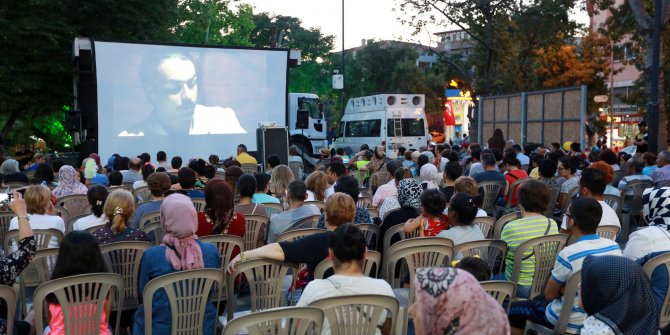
[
  {"x": 409, "y": 127},
  {"x": 311, "y": 105}
]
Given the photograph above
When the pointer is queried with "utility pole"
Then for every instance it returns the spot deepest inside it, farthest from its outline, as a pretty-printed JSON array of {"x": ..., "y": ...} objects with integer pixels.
[
  {"x": 343, "y": 76},
  {"x": 652, "y": 106}
]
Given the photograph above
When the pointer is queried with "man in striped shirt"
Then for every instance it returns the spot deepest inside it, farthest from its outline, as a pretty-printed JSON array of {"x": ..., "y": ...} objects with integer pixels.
[
  {"x": 584, "y": 218},
  {"x": 533, "y": 197}
]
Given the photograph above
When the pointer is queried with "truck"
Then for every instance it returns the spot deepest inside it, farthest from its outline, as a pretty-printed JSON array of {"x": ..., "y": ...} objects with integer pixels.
[
  {"x": 391, "y": 120},
  {"x": 306, "y": 123}
]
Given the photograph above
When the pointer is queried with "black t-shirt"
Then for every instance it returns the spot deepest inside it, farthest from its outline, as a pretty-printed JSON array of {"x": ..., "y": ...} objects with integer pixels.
[
  {"x": 394, "y": 218},
  {"x": 310, "y": 250},
  {"x": 448, "y": 192},
  {"x": 642, "y": 148}
]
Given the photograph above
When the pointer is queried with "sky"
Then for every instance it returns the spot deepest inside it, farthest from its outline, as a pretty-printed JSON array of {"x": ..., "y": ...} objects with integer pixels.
[{"x": 363, "y": 19}]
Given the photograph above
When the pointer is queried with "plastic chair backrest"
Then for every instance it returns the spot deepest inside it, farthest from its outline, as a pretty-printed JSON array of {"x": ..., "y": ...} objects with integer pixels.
[
  {"x": 320, "y": 204},
  {"x": 37, "y": 272},
  {"x": 249, "y": 168},
  {"x": 76, "y": 204},
  {"x": 571, "y": 194},
  {"x": 378, "y": 178},
  {"x": 543, "y": 251},
  {"x": 123, "y": 258},
  {"x": 513, "y": 189},
  {"x": 199, "y": 205},
  {"x": 374, "y": 212},
  {"x": 284, "y": 320},
  {"x": 371, "y": 232},
  {"x": 272, "y": 208},
  {"x": 649, "y": 267},
  {"x": 82, "y": 300},
  {"x": 69, "y": 224},
  {"x": 608, "y": 232},
  {"x": 306, "y": 223},
  {"x": 501, "y": 290},
  {"x": 490, "y": 190},
  {"x": 485, "y": 224},
  {"x": 265, "y": 278},
  {"x": 297, "y": 168},
  {"x": 364, "y": 202},
  {"x": 297, "y": 234},
  {"x": 357, "y": 314},
  {"x": 500, "y": 223},
  {"x": 638, "y": 187},
  {"x": 42, "y": 238},
  {"x": 386, "y": 243},
  {"x": 554, "y": 193},
  {"x": 569, "y": 297},
  {"x": 148, "y": 218},
  {"x": 63, "y": 212},
  {"x": 486, "y": 250},
  {"x": 142, "y": 194},
  {"x": 256, "y": 230},
  {"x": 371, "y": 265},
  {"x": 156, "y": 228},
  {"x": 188, "y": 293},
  {"x": 5, "y": 219},
  {"x": 614, "y": 202},
  {"x": 9, "y": 296}
]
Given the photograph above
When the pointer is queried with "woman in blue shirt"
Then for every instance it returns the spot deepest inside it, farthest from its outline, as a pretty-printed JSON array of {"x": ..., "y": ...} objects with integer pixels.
[{"x": 181, "y": 250}]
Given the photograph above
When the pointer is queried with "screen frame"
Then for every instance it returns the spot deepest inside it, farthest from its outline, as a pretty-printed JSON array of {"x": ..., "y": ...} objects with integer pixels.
[{"x": 94, "y": 67}]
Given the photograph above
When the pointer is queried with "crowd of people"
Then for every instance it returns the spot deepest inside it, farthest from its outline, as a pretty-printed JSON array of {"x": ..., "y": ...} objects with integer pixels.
[{"x": 431, "y": 192}]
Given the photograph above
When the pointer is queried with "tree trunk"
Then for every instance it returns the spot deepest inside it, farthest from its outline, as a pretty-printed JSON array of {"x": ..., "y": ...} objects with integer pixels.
[{"x": 13, "y": 116}]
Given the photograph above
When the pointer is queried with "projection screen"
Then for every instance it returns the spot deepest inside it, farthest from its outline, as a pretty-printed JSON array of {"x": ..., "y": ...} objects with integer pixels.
[{"x": 185, "y": 100}]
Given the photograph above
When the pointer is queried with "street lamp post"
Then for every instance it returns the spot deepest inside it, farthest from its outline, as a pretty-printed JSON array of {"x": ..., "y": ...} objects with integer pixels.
[{"x": 652, "y": 106}]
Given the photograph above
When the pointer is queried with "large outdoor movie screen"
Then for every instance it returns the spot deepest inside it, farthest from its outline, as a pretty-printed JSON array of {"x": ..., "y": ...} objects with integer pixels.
[{"x": 187, "y": 101}]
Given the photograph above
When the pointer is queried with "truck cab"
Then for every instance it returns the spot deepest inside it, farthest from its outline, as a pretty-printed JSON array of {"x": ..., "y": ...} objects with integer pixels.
[
  {"x": 306, "y": 123},
  {"x": 392, "y": 120}
]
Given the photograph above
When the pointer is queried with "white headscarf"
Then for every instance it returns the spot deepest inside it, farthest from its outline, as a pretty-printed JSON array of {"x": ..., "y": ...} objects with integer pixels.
[{"x": 428, "y": 174}]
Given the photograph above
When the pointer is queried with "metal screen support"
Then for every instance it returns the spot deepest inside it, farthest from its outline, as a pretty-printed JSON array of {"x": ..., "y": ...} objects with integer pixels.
[
  {"x": 524, "y": 118},
  {"x": 582, "y": 119}
]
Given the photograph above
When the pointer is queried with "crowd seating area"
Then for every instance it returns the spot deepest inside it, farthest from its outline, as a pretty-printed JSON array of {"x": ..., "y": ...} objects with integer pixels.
[{"x": 513, "y": 240}]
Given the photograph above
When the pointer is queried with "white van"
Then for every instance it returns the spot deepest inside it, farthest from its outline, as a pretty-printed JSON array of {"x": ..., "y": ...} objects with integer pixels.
[{"x": 392, "y": 120}]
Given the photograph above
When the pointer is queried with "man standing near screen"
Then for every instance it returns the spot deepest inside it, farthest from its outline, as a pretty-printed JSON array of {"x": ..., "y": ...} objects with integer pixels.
[{"x": 171, "y": 85}]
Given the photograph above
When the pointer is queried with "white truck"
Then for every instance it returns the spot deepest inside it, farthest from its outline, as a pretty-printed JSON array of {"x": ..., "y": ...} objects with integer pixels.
[
  {"x": 306, "y": 123},
  {"x": 392, "y": 120}
]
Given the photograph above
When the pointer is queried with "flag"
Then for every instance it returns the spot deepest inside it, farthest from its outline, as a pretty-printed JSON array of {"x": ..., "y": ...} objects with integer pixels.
[{"x": 449, "y": 119}]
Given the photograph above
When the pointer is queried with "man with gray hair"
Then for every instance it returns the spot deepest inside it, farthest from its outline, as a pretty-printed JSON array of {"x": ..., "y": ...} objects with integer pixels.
[
  {"x": 661, "y": 176},
  {"x": 133, "y": 174}
]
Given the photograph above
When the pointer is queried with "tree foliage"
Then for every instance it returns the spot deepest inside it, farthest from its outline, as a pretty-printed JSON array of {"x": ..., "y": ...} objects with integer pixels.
[{"x": 218, "y": 22}]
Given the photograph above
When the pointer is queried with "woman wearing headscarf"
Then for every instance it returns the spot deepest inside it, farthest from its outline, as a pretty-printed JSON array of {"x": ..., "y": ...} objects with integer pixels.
[
  {"x": 405, "y": 207},
  {"x": 68, "y": 182},
  {"x": 451, "y": 301},
  {"x": 656, "y": 237},
  {"x": 219, "y": 216},
  {"x": 617, "y": 297},
  {"x": 428, "y": 175},
  {"x": 180, "y": 251}
]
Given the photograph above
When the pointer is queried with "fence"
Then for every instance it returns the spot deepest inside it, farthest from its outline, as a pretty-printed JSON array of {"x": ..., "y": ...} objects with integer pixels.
[{"x": 556, "y": 115}]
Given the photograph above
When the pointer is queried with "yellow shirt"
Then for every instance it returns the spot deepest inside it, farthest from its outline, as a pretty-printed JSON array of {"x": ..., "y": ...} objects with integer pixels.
[
  {"x": 535, "y": 173},
  {"x": 245, "y": 158}
]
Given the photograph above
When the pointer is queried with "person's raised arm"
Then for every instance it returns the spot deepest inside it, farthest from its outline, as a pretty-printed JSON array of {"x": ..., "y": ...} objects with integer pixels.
[
  {"x": 413, "y": 224},
  {"x": 270, "y": 251},
  {"x": 18, "y": 206}
]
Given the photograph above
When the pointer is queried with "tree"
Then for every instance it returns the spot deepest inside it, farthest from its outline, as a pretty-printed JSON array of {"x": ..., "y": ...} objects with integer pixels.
[{"x": 218, "y": 22}]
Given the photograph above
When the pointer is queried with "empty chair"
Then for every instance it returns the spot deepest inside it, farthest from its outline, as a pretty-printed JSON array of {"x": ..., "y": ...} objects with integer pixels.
[
  {"x": 490, "y": 190},
  {"x": 188, "y": 294},
  {"x": 358, "y": 314},
  {"x": 265, "y": 278},
  {"x": 256, "y": 229},
  {"x": 275, "y": 321},
  {"x": 81, "y": 299}
]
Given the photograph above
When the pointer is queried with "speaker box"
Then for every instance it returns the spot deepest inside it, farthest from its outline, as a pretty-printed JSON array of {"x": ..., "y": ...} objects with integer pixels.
[
  {"x": 272, "y": 141},
  {"x": 302, "y": 119},
  {"x": 72, "y": 120}
]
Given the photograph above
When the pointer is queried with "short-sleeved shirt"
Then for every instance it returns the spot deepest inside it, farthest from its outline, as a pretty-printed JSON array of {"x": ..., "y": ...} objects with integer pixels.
[
  {"x": 432, "y": 226},
  {"x": 309, "y": 250},
  {"x": 569, "y": 184},
  {"x": 519, "y": 231},
  {"x": 106, "y": 235},
  {"x": 462, "y": 234},
  {"x": 384, "y": 191},
  {"x": 490, "y": 176},
  {"x": 511, "y": 177},
  {"x": 569, "y": 261},
  {"x": 646, "y": 241},
  {"x": 90, "y": 221},
  {"x": 261, "y": 198},
  {"x": 609, "y": 217},
  {"x": 245, "y": 158}
]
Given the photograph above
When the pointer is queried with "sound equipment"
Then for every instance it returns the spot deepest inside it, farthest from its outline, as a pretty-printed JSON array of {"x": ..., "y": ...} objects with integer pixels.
[
  {"x": 272, "y": 141},
  {"x": 302, "y": 119}
]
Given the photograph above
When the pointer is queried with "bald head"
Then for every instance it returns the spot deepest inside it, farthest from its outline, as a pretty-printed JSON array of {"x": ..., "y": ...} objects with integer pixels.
[{"x": 135, "y": 164}]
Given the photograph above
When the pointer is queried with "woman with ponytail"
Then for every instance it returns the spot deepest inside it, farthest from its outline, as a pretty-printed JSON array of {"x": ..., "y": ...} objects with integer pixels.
[
  {"x": 180, "y": 251},
  {"x": 119, "y": 209},
  {"x": 97, "y": 195}
]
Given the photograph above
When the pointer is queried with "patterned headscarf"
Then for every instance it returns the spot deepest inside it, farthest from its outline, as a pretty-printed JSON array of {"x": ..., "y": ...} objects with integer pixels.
[
  {"x": 179, "y": 222},
  {"x": 428, "y": 174},
  {"x": 656, "y": 207},
  {"x": 409, "y": 193},
  {"x": 68, "y": 182},
  {"x": 451, "y": 301},
  {"x": 616, "y": 291}
]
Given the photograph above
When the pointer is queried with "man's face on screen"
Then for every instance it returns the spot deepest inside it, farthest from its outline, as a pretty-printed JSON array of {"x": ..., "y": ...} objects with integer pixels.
[{"x": 174, "y": 94}]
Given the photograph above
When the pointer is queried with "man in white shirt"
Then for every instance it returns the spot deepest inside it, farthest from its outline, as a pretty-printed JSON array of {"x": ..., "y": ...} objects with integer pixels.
[
  {"x": 335, "y": 170},
  {"x": 523, "y": 159},
  {"x": 592, "y": 184},
  {"x": 348, "y": 251},
  {"x": 655, "y": 238},
  {"x": 389, "y": 189}
]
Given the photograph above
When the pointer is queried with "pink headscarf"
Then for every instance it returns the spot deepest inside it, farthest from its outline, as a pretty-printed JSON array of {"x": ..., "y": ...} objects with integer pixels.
[
  {"x": 451, "y": 301},
  {"x": 179, "y": 222}
]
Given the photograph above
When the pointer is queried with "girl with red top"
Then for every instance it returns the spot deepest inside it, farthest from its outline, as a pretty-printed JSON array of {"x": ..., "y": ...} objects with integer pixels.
[
  {"x": 514, "y": 173},
  {"x": 433, "y": 220},
  {"x": 219, "y": 216}
]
